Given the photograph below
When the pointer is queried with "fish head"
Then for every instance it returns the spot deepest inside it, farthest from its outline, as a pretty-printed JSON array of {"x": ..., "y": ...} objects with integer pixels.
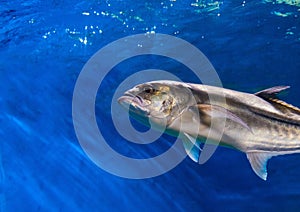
[{"x": 159, "y": 101}]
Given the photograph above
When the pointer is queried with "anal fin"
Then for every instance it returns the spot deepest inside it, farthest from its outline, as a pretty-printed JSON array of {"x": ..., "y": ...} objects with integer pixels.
[{"x": 258, "y": 162}]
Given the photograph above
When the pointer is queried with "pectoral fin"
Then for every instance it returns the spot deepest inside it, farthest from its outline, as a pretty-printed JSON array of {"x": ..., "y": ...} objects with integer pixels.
[
  {"x": 220, "y": 112},
  {"x": 258, "y": 161},
  {"x": 191, "y": 146}
]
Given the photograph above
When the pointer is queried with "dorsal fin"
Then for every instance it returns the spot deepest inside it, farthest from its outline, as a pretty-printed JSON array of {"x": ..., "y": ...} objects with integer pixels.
[
  {"x": 271, "y": 92},
  {"x": 284, "y": 104},
  {"x": 270, "y": 95}
]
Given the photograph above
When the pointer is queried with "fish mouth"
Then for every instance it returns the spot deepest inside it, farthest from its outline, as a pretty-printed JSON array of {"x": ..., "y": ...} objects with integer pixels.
[
  {"x": 129, "y": 98},
  {"x": 134, "y": 102}
]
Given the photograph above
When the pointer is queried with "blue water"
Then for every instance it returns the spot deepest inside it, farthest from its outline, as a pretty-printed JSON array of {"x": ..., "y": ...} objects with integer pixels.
[{"x": 45, "y": 44}]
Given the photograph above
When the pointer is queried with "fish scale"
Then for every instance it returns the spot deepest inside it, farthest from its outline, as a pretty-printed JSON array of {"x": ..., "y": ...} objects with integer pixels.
[{"x": 281, "y": 133}]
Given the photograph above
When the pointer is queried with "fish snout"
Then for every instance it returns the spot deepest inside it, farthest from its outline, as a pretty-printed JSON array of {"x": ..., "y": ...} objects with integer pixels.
[{"x": 130, "y": 99}]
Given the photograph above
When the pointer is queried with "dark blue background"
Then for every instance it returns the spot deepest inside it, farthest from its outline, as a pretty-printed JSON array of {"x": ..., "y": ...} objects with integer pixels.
[{"x": 42, "y": 51}]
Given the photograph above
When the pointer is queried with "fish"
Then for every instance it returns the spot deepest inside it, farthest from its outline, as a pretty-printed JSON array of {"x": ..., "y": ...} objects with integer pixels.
[{"x": 260, "y": 124}]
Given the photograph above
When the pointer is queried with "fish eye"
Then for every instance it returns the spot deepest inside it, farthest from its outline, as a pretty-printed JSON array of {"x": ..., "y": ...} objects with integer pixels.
[{"x": 149, "y": 90}]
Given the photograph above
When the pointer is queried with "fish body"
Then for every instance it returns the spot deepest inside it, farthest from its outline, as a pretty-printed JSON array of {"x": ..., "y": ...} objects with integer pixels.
[{"x": 260, "y": 125}]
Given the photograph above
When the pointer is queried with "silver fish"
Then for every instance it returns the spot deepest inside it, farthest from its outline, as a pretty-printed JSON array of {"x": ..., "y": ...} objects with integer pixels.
[{"x": 260, "y": 125}]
